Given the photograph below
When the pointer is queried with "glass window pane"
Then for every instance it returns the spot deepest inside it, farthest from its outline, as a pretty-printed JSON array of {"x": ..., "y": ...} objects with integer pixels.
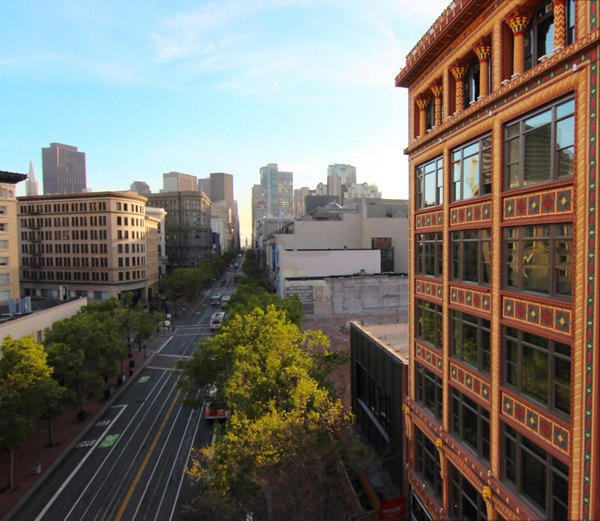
[
  {"x": 471, "y": 177},
  {"x": 565, "y": 133},
  {"x": 537, "y": 155},
  {"x": 536, "y": 264},
  {"x": 534, "y": 478},
  {"x": 535, "y": 373},
  {"x": 538, "y": 120},
  {"x": 562, "y": 385},
  {"x": 512, "y": 264},
  {"x": 470, "y": 348},
  {"x": 568, "y": 107}
]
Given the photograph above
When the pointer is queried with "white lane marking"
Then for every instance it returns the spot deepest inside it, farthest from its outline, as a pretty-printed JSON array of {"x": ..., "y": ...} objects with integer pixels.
[
  {"x": 83, "y": 460},
  {"x": 87, "y": 443}
]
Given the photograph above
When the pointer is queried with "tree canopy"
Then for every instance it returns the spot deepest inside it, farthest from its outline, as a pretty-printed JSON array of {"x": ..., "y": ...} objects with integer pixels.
[{"x": 282, "y": 408}]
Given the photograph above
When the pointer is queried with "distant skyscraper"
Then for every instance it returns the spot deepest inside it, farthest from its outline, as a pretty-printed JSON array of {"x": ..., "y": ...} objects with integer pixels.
[
  {"x": 178, "y": 182},
  {"x": 278, "y": 190},
  {"x": 204, "y": 186},
  {"x": 339, "y": 178},
  {"x": 140, "y": 187},
  {"x": 221, "y": 188},
  {"x": 31, "y": 185},
  {"x": 63, "y": 169},
  {"x": 299, "y": 195}
]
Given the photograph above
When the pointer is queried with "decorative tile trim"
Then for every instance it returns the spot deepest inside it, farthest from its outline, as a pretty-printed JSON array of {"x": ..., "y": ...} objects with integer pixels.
[
  {"x": 591, "y": 285},
  {"x": 431, "y": 358},
  {"x": 471, "y": 382},
  {"x": 471, "y": 298},
  {"x": 429, "y": 220},
  {"x": 553, "y": 318},
  {"x": 541, "y": 204},
  {"x": 427, "y": 288},
  {"x": 545, "y": 428},
  {"x": 472, "y": 213}
]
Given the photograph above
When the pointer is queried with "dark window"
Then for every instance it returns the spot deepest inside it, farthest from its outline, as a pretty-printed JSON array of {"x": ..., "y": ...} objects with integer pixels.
[
  {"x": 429, "y": 254},
  {"x": 537, "y": 475},
  {"x": 372, "y": 394},
  {"x": 471, "y": 340},
  {"x": 429, "y": 390},
  {"x": 472, "y": 169},
  {"x": 539, "y": 39},
  {"x": 541, "y": 146},
  {"x": 466, "y": 502},
  {"x": 429, "y": 323},
  {"x": 428, "y": 463},
  {"x": 471, "y": 424},
  {"x": 538, "y": 367},
  {"x": 430, "y": 180},
  {"x": 570, "y": 21},
  {"x": 471, "y": 255},
  {"x": 471, "y": 82},
  {"x": 539, "y": 258}
]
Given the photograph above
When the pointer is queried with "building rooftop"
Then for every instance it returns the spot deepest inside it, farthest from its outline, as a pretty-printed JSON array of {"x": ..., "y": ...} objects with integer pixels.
[
  {"x": 393, "y": 337},
  {"x": 454, "y": 19},
  {"x": 11, "y": 177}
]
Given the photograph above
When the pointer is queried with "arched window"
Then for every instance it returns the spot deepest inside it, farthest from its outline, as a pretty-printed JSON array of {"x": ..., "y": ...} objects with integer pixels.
[{"x": 539, "y": 40}]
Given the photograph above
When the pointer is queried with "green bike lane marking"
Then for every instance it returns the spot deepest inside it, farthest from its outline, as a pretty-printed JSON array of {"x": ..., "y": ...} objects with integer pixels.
[{"x": 109, "y": 440}]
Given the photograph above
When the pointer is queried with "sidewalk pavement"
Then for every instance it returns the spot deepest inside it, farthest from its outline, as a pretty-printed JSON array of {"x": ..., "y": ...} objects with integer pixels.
[{"x": 34, "y": 460}]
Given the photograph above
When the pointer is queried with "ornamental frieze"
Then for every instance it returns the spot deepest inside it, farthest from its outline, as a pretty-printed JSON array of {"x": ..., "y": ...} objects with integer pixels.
[
  {"x": 428, "y": 288},
  {"x": 471, "y": 298},
  {"x": 554, "y": 318},
  {"x": 540, "y": 204},
  {"x": 546, "y": 430},
  {"x": 429, "y": 357},
  {"x": 470, "y": 381},
  {"x": 472, "y": 213},
  {"x": 429, "y": 220}
]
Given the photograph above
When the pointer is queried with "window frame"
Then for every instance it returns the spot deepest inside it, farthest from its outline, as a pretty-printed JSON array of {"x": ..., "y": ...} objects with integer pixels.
[
  {"x": 423, "y": 308},
  {"x": 430, "y": 390},
  {"x": 458, "y": 322},
  {"x": 461, "y": 491},
  {"x": 437, "y": 172},
  {"x": 514, "y": 275},
  {"x": 429, "y": 246},
  {"x": 427, "y": 462},
  {"x": 484, "y": 154},
  {"x": 459, "y": 259},
  {"x": 517, "y": 449},
  {"x": 543, "y": 15},
  {"x": 519, "y": 135},
  {"x": 460, "y": 405},
  {"x": 522, "y": 340}
]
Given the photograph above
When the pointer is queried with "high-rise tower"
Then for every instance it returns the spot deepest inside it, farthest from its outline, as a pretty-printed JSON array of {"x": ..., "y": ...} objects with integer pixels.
[
  {"x": 278, "y": 190},
  {"x": 63, "y": 169}
]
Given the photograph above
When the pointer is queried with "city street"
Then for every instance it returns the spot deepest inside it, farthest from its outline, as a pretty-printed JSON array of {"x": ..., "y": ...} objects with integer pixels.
[{"x": 131, "y": 463}]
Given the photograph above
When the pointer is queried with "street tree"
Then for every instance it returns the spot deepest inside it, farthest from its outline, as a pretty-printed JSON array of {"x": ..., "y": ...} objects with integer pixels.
[
  {"x": 22, "y": 366},
  {"x": 52, "y": 399},
  {"x": 282, "y": 410}
]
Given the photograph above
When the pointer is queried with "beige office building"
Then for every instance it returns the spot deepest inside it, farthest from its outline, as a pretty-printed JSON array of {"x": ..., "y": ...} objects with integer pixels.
[
  {"x": 85, "y": 245},
  {"x": 9, "y": 247}
]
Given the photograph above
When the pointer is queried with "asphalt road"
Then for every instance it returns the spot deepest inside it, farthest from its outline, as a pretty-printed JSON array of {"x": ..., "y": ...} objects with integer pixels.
[{"x": 131, "y": 464}]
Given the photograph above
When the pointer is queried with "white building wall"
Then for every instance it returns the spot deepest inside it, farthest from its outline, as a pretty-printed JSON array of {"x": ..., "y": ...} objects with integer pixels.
[
  {"x": 397, "y": 230},
  {"x": 324, "y": 263}
]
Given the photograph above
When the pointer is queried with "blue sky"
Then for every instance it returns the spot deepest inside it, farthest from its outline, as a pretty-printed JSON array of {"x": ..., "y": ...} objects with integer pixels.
[{"x": 150, "y": 86}]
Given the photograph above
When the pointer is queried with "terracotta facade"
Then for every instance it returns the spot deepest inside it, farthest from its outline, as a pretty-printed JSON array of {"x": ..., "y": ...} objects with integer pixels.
[{"x": 515, "y": 230}]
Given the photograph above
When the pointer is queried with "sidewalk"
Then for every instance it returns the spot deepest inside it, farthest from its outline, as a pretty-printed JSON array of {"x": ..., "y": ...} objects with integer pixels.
[{"x": 68, "y": 431}]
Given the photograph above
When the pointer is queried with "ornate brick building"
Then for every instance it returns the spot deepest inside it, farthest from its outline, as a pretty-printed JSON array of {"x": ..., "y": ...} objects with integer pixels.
[{"x": 503, "y": 392}]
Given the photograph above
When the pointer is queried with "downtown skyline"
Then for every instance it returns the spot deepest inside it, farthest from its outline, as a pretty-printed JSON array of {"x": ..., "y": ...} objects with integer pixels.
[{"x": 211, "y": 87}]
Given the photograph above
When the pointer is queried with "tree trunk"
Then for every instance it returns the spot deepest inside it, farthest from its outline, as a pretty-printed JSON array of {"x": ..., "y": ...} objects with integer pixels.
[
  {"x": 50, "y": 432},
  {"x": 11, "y": 468}
]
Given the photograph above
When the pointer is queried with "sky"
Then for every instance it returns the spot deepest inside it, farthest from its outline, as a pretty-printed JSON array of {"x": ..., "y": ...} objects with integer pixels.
[{"x": 146, "y": 87}]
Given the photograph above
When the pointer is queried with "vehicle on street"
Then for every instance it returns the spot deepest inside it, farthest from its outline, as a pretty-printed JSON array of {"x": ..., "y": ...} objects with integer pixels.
[
  {"x": 225, "y": 300},
  {"x": 216, "y": 411},
  {"x": 215, "y": 299},
  {"x": 216, "y": 319}
]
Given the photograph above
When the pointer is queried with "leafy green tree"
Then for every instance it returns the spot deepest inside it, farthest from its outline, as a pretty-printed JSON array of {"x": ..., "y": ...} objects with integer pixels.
[
  {"x": 52, "y": 399},
  {"x": 283, "y": 409},
  {"x": 22, "y": 366}
]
